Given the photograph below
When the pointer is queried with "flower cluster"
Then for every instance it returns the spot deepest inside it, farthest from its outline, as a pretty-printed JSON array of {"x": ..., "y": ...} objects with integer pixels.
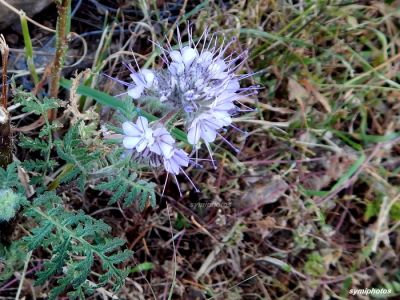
[
  {"x": 157, "y": 144},
  {"x": 200, "y": 84}
]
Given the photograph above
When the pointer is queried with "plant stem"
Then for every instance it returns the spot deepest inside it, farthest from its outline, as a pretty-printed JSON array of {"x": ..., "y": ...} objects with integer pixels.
[
  {"x": 6, "y": 228},
  {"x": 4, "y": 55},
  {"x": 61, "y": 48},
  {"x": 28, "y": 49},
  {"x": 5, "y": 130},
  {"x": 21, "y": 282},
  {"x": 5, "y": 138}
]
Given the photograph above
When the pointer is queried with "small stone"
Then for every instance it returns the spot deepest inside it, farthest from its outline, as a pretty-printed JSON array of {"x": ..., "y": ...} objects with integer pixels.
[{"x": 30, "y": 7}]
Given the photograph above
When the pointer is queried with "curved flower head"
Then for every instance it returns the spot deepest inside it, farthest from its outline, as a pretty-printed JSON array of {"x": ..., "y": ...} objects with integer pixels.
[
  {"x": 142, "y": 80},
  {"x": 204, "y": 84},
  {"x": 137, "y": 136}
]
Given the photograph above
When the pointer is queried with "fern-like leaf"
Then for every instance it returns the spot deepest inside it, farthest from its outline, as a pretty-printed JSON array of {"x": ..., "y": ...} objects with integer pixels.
[
  {"x": 75, "y": 240},
  {"x": 73, "y": 151},
  {"x": 129, "y": 188},
  {"x": 32, "y": 104},
  {"x": 9, "y": 176}
]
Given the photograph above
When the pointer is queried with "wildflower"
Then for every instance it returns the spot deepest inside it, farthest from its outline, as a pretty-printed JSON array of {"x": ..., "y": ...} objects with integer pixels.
[
  {"x": 205, "y": 58},
  {"x": 200, "y": 79},
  {"x": 138, "y": 135},
  {"x": 157, "y": 146},
  {"x": 150, "y": 140},
  {"x": 176, "y": 161},
  {"x": 217, "y": 70},
  {"x": 143, "y": 80},
  {"x": 205, "y": 126},
  {"x": 222, "y": 107},
  {"x": 174, "y": 164},
  {"x": 163, "y": 143},
  {"x": 204, "y": 84},
  {"x": 181, "y": 59}
]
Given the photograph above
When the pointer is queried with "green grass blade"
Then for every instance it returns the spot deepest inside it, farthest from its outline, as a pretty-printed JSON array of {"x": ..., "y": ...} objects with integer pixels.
[
  {"x": 346, "y": 176},
  {"x": 146, "y": 266},
  {"x": 28, "y": 48},
  {"x": 350, "y": 171}
]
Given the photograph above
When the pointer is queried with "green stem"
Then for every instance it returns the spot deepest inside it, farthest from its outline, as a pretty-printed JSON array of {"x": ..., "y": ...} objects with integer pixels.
[
  {"x": 22, "y": 279},
  {"x": 28, "y": 48},
  {"x": 98, "y": 64}
]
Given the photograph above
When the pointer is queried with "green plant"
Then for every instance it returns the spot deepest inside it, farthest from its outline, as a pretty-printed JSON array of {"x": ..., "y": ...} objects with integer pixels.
[
  {"x": 9, "y": 204},
  {"x": 11, "y": 193},
  {"x": 77, "y": 243},
  {"x": 314, "y": 265},
  {"x": 75, "y": 240}
]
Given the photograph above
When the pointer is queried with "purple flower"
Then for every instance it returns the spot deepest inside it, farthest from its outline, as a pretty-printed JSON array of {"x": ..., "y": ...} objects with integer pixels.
[
  {"x": 205, "y": 59},
  {"x": 205, "y": 127},
  {"x": 217, "y": 70},
  {"x": 222, "y": 107},
  {"x": 174, "y": 166},
  {"x": 163, "y": 143},
  {"x": 199, "y": 82},
  {"x": 138, "y": 136},
  {"x": 156, "y": 145},
  {"x": 178, "y": 159},
  {"x": 182, "y": 60},
  {"x": 204, "y": 84},
  {"x": 143, "y": 80}
]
